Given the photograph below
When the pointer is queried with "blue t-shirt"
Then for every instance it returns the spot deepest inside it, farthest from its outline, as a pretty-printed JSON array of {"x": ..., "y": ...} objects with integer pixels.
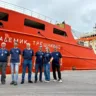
[
  {"x": 56, "y": 57},
  {"x": 15, "y": 52},
  {"x": 4, "y": 53},
  {"x": 47, "y": 57},
  {"x": 27, "y": 54},
  {"x": 39, "y": 57}
]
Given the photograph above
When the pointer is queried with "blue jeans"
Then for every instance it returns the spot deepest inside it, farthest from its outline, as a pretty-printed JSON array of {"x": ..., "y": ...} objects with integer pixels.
[
  {"x": 27, "y": 63},
  {"x": 14, "y": 71},
  {"x": 47, "y": 71},
  {"x": 38, "y": 67}
]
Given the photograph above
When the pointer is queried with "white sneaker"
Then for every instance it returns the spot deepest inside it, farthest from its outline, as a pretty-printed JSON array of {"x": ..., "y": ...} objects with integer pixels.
[
  {"x": 47, "y": 81},
  {"x": 60, "y": 81},
  {"x": 54, "y": 80}
]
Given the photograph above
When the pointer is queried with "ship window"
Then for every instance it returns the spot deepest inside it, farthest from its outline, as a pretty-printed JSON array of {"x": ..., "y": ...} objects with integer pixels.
[
  {"x": 59, "y": 32},
  {"x": 34, "y": 24},
  {"x": 3, "y": 16}
]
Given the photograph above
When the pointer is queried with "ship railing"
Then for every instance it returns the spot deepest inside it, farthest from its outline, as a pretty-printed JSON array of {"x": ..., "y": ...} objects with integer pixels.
[
  {"x": 26, "y": 11},
  {"x": 29, "y": 12}
]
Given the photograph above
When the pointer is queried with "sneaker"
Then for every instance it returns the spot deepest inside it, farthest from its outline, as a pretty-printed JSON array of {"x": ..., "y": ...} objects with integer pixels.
[
  {"x": 60, "y": 81},
  {"x": 22, "y": 82},
  {"x": 54, "y": 80},
  {"x": 15, "y": 83},
  {"x": 12, "y": 83},
  {"x": 47, "y": 81},
  {"x": 30, "y": 81}
]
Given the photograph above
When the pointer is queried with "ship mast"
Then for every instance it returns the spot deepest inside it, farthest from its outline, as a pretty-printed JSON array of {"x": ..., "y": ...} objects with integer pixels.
[{"x": 94, "y": 28}]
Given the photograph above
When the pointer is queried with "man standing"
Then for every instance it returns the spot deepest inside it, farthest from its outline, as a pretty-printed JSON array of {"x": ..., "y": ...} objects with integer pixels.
[
  {"x": 15, "y": 61},
  {"x": 4, "y": 55},
  {"x": 27, "y": 55},
  {"x": 38, "y": 63},
  {"x": 57, "y": 61}
]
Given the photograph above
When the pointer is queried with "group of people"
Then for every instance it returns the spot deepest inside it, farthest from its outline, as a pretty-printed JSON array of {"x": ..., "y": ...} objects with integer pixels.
[{"x": 42, "y": 60}]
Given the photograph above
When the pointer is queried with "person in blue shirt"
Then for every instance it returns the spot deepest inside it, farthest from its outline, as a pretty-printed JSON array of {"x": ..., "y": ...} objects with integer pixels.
[
  {"x": 57, "y": 61},
  {"x": 4, "y": 56},
  {"x": 47, "y": 60},
  {"x": 27, "y": 56},
  {"x": 38, "y": 63},
  {"x": 15, "y": 61}
]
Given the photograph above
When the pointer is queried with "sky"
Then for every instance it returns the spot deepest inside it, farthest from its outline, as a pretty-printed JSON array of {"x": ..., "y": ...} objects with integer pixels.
[{"x": 80, "y": 14}]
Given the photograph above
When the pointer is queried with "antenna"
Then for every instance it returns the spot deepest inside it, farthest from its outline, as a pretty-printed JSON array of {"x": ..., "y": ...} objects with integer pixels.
[{"x": 94, "y": 26}]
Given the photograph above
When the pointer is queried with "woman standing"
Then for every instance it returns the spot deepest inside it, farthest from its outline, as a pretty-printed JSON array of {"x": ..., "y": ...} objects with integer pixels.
[{"x": 47, "y": 60}]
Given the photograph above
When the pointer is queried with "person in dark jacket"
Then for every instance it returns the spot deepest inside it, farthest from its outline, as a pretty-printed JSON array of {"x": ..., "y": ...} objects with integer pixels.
[
  {"x": 27, "y": 56},
  {"x": 4, "y": 56}
]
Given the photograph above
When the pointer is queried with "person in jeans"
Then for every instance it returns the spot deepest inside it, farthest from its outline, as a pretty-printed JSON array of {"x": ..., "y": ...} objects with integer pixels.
[
  {"x": 27, "y": 55},
  {"x": 4, "y": 55},
  {"x": 38, "y": 63},
  {"x": 47, "y": 60},
  {"x": 56, "y": 63},
  {"x": 15, "y": 61}
]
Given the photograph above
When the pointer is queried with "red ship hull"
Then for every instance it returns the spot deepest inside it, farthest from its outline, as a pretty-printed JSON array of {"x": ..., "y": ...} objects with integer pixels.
[{"x": 74, "y": 55}]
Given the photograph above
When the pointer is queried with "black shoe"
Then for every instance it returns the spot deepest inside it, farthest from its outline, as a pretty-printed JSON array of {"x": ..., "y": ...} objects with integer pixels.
[
  {"x": 30, "y": 81},
  {"x": 22, "y": 82},
  {"x": 12, "y": 83},
  {"x": 3, "y": 83},
  {"x": 41, "y": 81},
  {"x": 15, "y": 83},
  {"x": 35, "y": 81}
]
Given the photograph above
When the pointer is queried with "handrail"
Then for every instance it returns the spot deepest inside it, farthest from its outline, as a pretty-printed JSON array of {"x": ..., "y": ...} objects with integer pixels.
[{"x": 26, "y": 11}]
